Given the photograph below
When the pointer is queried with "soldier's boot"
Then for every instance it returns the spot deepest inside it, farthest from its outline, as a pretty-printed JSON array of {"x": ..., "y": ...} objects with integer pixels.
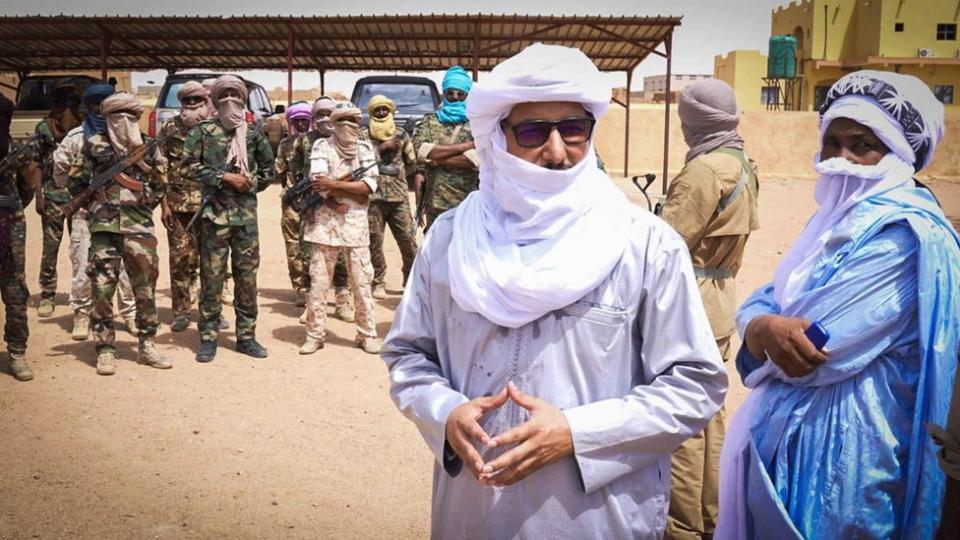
[
  {"x": 250, "y": 347},
  {"x": 379, "y": 291},
  {"x": 310, "y": 346},
  {"x": 344, "y": 310},
  {"x": 106, "y": 361},
  {"x": 45, "y": 309},
  {"x": 20, "y": 368},
  {"x": 180, "y": 323},
  {"x": 149, "y": 355},
  {"x": 301, "y": 298},
  {"x": 131, "y": 322},
  {"x": 207, "y": 351},
  {"x": 370, "y": 345},
  {"x": 81, "y": 327}
]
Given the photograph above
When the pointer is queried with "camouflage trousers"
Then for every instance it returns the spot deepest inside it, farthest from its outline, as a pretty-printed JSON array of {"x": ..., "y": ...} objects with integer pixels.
[
  {"x": 14, "y": 292},
  {"x": 81, "y": 290},
  {"x": 241, "y": 244},
  {"x": 398, "y": 216},
  {"x": 53, "y": 224},
  {"x": 298, "y": 256},
  {"x": 322, "y": 261},
  {"x": 184, "y": 262},
  {"x": 138, "y": 253}
]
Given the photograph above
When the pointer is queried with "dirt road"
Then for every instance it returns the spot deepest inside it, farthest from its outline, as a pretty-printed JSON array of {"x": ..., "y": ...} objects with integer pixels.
[{"x": 289, "y": 447}]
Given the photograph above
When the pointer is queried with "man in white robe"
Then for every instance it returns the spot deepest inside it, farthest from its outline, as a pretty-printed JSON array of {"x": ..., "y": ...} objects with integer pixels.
[{"x": 551, "y": 345}]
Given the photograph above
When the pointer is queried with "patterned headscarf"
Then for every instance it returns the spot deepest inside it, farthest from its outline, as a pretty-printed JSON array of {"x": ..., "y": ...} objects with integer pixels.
[
  {"x": 211, "y": 108},
  {"x": 382, "y": 129},
  {"x": 905, "y": 114}
]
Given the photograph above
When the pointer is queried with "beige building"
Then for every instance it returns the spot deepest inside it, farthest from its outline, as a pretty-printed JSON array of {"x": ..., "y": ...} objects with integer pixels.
[
  {"x": 836, "y": 37},
  {"x": 655, "y": 86}
]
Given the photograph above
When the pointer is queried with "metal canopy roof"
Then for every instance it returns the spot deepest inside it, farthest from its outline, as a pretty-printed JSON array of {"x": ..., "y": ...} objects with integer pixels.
[{"x": 380, "y": 43}]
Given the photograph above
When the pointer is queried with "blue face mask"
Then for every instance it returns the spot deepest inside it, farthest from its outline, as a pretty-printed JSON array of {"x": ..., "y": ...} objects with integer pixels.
[
  {"x": 94, "y": 124},
  {"x": 452, "y": 112}
]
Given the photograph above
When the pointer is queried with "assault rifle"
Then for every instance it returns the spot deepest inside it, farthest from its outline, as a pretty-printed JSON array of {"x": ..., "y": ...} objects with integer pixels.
[
  {"x": 421, "y": 205},
  {"x": 208, "y": 196},
  {"x": 301, "y": 196},
  {"x": 12, "y": 156},
  {"x": 112, "y": 175}
]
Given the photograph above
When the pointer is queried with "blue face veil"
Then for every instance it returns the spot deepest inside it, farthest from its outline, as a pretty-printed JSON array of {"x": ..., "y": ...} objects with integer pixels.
[
  {"x": 95, "y": 123},
  {"x": 454, "y": 112}
]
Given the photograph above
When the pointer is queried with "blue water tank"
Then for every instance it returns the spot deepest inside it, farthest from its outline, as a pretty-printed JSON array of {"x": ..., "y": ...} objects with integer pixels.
[{"x": 782, "y": 60}]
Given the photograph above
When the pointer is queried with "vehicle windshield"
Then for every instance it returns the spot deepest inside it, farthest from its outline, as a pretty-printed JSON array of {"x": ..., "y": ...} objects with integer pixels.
[
  {"x": 170, "y": 101},
  {"x": 36, "y": 93},
  {"x": 411, "y": 98}
]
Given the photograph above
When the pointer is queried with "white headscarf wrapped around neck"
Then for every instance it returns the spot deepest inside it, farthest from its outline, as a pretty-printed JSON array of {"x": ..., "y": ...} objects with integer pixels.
[
  {"x": 534, "y": 240},
  {"x": 842, "y": 184}
]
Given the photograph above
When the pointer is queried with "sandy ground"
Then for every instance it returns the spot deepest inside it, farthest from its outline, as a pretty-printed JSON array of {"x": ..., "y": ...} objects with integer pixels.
[{"x": 289, "y": 447}]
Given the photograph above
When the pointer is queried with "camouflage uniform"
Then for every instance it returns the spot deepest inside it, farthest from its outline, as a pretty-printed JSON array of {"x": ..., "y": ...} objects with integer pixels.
[
  {"x": 13, "y": 281},
  {"x": 81, "y": 291},
  {"x": 333, "y": 234},
  {"x": 446, "y": 187},
  {"x": 288, "y": 169},
  {"x": 121, "y": 228},
  {"x": 183, "y": 198},
  {"x": 390, "y": 204},
  {"x": 52, "y": 220},
  {"x": 301, "y": 159},
  {"x": 229, "y": 223}
]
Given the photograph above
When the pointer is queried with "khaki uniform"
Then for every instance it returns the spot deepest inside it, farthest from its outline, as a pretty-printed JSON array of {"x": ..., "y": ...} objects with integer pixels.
[
  {"x": 716, "y": 238},
  {"x": 332, "y": 234}
]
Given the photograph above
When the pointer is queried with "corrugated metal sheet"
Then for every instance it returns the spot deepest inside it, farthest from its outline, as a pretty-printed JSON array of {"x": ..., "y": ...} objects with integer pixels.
[{"x": 381, "y": 43}]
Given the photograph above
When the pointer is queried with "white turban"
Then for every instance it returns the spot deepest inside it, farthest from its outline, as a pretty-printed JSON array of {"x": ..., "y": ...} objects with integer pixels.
[{"x": 534, "y": 240}]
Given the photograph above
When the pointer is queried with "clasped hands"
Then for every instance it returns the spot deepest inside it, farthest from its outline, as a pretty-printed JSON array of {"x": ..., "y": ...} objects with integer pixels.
[
  {"x": 543, "y": 439},
  {"x": 237, "y": 181}
]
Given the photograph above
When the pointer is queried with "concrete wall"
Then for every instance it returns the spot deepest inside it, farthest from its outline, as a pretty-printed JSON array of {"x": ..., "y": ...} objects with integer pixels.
[{"x": 782, "y": 143}]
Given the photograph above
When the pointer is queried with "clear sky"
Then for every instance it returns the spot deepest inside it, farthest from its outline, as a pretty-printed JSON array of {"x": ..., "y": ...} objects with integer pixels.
[{"x": 710, "y": 27}]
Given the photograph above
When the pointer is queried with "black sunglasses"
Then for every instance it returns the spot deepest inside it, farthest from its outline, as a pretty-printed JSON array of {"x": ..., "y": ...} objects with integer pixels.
[{"x": 534, "y": 133}]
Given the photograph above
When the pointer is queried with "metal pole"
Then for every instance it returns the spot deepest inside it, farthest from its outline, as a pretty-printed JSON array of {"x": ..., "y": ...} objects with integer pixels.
[
  {"x": 289, "y": 66},
  {"x": 666, "y": 115},
  {"x": 323, "y": 86},
  {"x": 476, "y": 51},
  {"x": 105, "y": 38},
  {"x": 626, "y": 126}
]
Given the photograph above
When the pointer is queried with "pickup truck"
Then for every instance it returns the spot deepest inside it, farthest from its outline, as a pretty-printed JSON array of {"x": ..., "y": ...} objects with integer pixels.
[
  {"x": 34, "y": 100},
  {"x": 414, "y": 97}
]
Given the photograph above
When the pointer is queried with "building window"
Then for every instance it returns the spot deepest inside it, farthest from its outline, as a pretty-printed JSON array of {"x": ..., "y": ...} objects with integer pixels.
[
  {"x": 769, "y": 95},
  {"x": 819, "y": 96},
  {"x": 898, "y": 27},
  {"x": 947, "y": 32},
  {"x": 944, "y": 93}
]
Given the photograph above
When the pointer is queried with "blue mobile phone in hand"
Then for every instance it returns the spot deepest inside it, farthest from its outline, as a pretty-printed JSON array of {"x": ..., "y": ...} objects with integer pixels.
[{"x": 817, "y": 335}]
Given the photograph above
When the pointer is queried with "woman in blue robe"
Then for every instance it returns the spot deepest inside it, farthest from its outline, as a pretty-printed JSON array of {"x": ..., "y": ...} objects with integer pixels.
[{"x": 832, "y": 443}]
